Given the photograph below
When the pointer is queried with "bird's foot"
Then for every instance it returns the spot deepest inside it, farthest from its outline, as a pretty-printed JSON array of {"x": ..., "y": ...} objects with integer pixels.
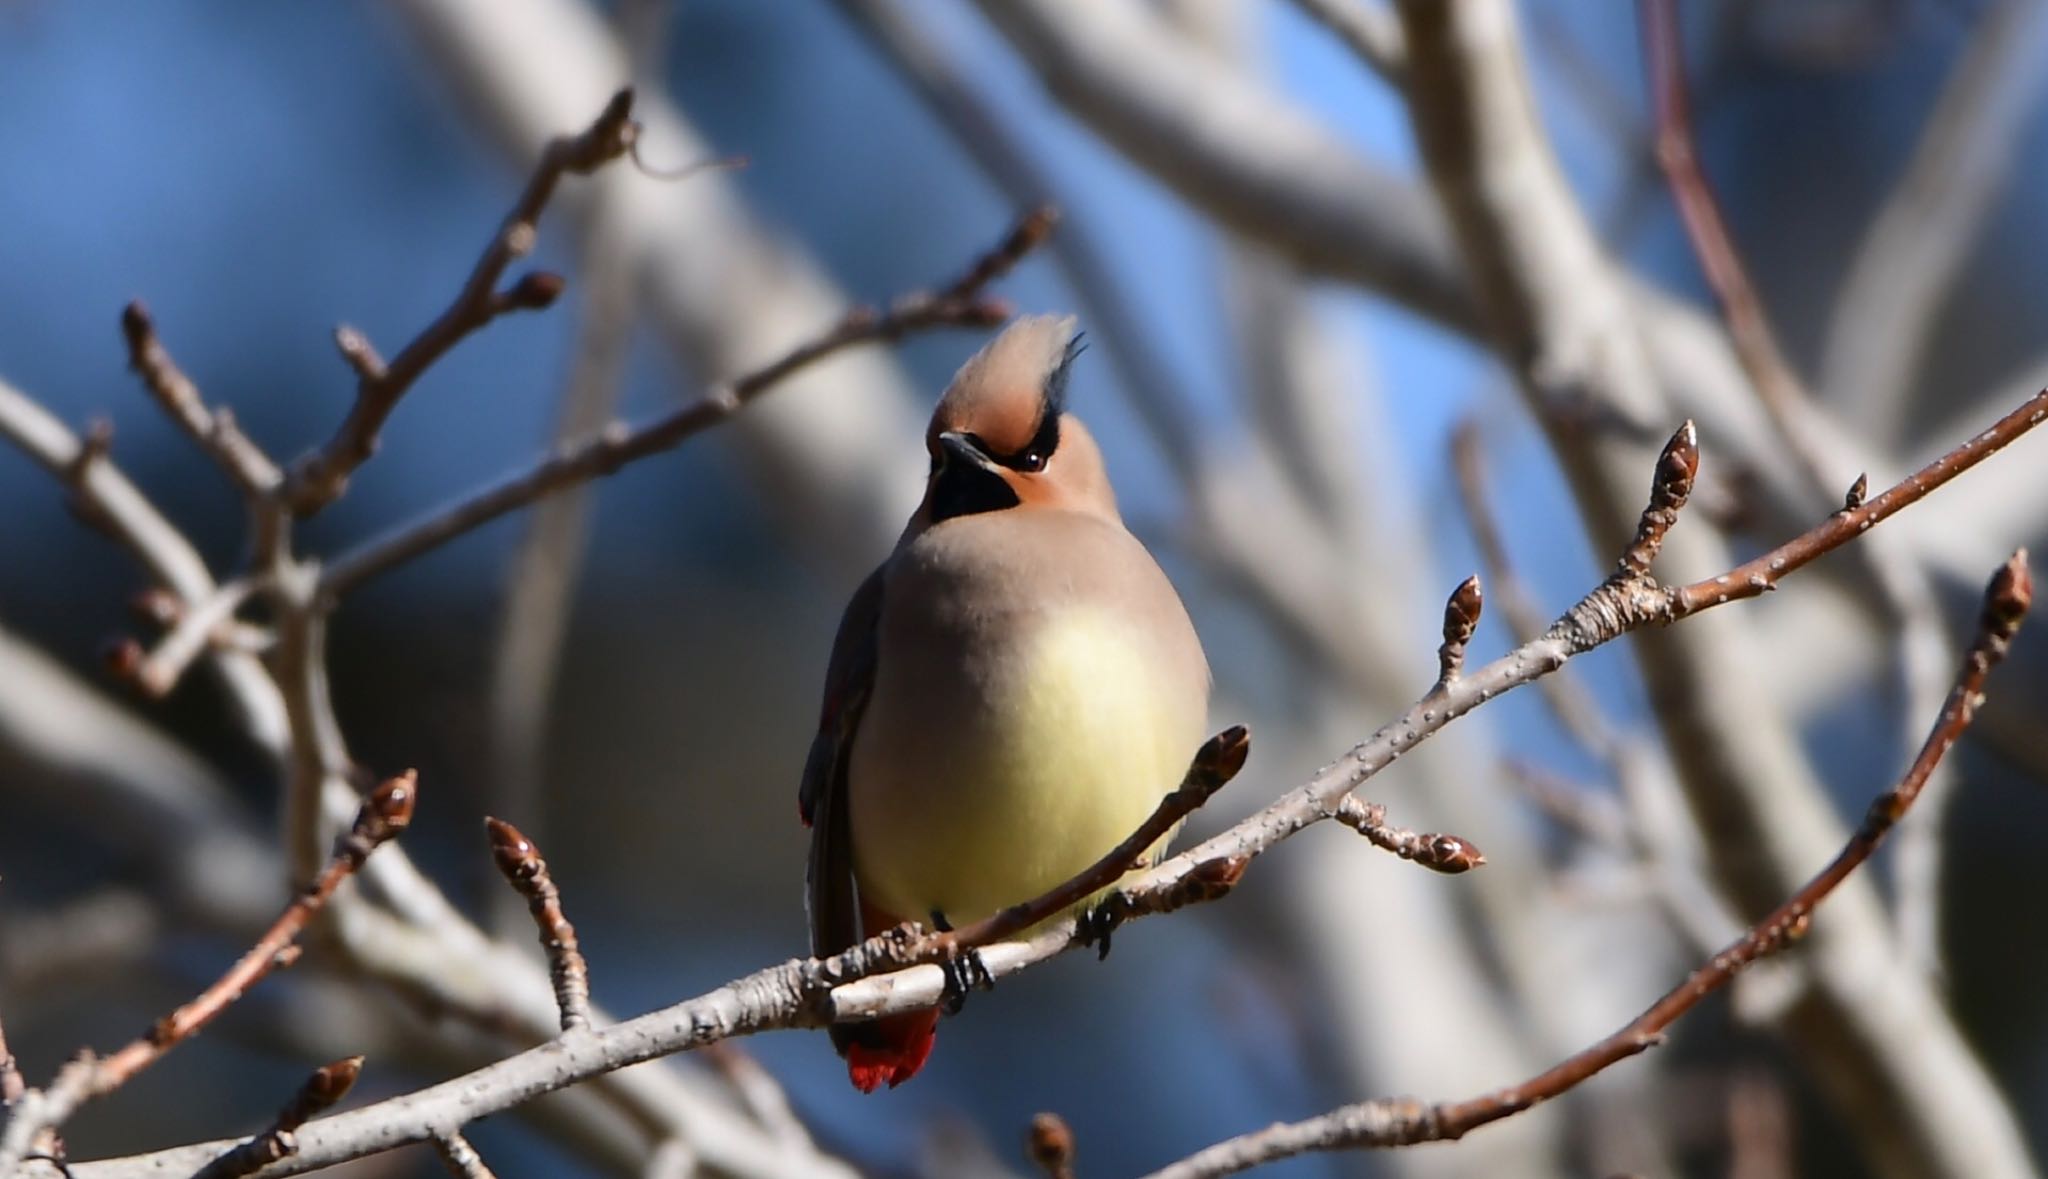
[
  {"x": 964, "y": 970},
  {"x": 1097, "y": 922}
]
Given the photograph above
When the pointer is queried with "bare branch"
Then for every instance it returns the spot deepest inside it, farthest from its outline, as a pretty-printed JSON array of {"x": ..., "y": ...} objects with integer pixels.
[
  {"x": 319, "y": 478},
  {"x": 213, "y": 429},
  {"x": 1403, "y": 1122},
  {"x": 960, "y": 303}
]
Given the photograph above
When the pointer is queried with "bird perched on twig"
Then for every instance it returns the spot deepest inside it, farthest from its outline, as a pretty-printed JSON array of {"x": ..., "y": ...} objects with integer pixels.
[{"x": 1010, "y": 694}]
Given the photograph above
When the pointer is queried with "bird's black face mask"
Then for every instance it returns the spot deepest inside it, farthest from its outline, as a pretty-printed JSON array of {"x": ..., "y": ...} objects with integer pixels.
[{"x": 966, "y": 479}]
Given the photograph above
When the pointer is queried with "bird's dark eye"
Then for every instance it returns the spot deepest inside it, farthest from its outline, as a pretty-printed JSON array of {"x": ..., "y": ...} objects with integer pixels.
[{"x": 1031, "y": 460}]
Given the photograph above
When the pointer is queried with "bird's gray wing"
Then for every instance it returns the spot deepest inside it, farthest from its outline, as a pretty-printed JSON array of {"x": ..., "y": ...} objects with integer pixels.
[{"x": 821, "y": 800}]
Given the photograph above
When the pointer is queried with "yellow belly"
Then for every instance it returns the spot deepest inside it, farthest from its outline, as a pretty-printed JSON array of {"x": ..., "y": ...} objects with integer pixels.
[{"x": 1051, "y": 766}]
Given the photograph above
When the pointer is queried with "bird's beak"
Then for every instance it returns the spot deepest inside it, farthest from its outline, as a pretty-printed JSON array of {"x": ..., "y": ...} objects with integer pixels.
[{"x": 961, "y": 448}]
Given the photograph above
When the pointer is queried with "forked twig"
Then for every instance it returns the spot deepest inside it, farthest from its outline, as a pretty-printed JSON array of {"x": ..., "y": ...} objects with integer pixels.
[
  {"x": 959, "y": 303},
  {"x": 319, "y": 478}
]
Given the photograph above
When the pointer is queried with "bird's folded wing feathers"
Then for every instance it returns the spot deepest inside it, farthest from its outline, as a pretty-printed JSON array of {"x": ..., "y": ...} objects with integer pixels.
[{"x": 821, "y": 800}]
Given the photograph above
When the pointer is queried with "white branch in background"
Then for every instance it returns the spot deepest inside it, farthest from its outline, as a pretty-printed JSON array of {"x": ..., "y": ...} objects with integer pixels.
[{"x": 1890, "y": 303}]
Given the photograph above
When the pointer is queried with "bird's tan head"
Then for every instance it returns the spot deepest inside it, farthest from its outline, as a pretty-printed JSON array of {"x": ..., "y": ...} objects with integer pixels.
[{"x": 1001, "y": 437}]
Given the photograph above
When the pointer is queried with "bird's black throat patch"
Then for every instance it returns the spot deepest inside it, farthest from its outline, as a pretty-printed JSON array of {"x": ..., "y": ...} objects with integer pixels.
[{"x": 965, "y": 489}]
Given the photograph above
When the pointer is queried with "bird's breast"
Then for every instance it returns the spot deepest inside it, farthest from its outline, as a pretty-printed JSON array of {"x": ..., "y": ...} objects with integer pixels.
[{"x": 1016, "y": 732}]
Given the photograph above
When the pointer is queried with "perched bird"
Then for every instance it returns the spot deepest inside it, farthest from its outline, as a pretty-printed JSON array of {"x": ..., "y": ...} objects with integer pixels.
[{"x": 1011, "y": 693}]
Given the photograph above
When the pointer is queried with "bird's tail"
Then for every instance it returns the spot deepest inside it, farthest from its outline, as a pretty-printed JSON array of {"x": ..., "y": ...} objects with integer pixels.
[{"x": 888, "y": 1050}]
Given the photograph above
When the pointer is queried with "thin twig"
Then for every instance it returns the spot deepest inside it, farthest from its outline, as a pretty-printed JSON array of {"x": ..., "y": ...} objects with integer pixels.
[
  {"x": 521, "y": 863},
  {"x": 462, "y": 1159},
  {"x": 1762, "y": 573},
  {"x": 326, "y": 1086},
  {"x": 385, "y": 813},
  {"x": 190, "y": 635},
  {"x": 1448, "y": 854},
  {"x": 319, "y": 478},
  {"x": 958, "y": 304},
  {"x": 1402, "y": 1122},
  {"x": 213, "y": 429}
]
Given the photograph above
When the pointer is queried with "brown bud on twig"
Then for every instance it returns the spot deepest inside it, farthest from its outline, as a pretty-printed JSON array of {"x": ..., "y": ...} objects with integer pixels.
[
  {"x": 1212, "y": 879},
  {"x": 123, "y": 658},
  {"x": 1220, "y": 759},
  {"x": 1857, "y": 490},
  {"x": 1461, "y": 619},
  {"x": 1448, "y": 854},
  {"x": 521, "y": 863},
  {"x": 1677, "y": 467},
  {"x": 1051, "y": 1146},
  {"x": 2008, "y": 598},
  {"x": 328, "y": 1084},
  {"x": 534, "y": 290},
  {"x": 388, "y": 809}
]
